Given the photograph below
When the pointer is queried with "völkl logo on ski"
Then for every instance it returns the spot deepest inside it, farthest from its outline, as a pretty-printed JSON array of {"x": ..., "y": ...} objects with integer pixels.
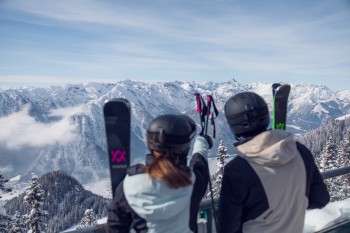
[{"x": 118, "y": 156}]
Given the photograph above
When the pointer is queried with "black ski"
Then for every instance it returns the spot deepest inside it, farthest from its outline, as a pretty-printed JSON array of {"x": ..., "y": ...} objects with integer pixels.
[
  {"x": 117, "y": 123},
  {"x": 280, "y": 94}
]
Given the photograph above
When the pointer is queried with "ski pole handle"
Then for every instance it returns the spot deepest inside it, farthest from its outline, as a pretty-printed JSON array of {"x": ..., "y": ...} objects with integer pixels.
[
  {"x": 199, "y": 103},
  {"x": 201, "y": 110}
]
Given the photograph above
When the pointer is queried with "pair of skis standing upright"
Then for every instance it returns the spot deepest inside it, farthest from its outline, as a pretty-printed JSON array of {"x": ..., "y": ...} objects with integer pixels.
[{"x": 117, "y": 117}]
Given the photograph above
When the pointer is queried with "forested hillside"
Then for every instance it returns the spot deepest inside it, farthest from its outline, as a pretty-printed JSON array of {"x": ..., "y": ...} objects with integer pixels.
[
  {"x": 65, "y": 201},
  {"x": 330, "y": 144},
  {"x": 334, "y": 131}
]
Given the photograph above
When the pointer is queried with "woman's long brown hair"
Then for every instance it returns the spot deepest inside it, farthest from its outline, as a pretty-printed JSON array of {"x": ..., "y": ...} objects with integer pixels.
[{"x": 163, "y": 169}]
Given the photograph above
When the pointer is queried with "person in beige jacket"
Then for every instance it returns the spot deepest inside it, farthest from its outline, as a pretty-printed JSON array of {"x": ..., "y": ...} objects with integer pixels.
[{"x": 272, "y": 181}]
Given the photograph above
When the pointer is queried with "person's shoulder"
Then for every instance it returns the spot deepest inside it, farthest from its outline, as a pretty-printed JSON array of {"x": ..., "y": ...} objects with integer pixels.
[
  {"x": 239, "y": 171},
  {"x": 136, "y": 169},
  {"x": 304, "y": 151},
  {"x": 238, "y": 165},
  {"x": 237, "y": 161}
]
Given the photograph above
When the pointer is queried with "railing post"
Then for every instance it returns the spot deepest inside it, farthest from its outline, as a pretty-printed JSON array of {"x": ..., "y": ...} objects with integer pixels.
[{"x": 210, "y": 221}]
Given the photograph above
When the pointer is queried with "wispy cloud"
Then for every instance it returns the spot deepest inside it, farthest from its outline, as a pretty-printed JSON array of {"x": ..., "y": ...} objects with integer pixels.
[
  {"x": 123, "y": 39},
  {"x": 87, "y": 11},
  {"x": 30, "y": 79},
  {"x": 20, "y": 129}
]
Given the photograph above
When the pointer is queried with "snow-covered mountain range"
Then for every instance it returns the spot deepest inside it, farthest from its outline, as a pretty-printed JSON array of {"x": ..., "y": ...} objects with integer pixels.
[{"x": 62, "y": 128}]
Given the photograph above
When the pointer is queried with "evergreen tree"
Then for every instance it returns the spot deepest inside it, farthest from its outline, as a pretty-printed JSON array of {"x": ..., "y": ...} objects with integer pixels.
[
  {"x": 17, "y": 224},
  {"x": 88, "y": 219},
  {"x": 344, "y": 150},
  {"x": 217, "y": 177},
  {"x": 328, "y": 161},
  {"x": 35, "y": 197},
  {"x": 328, "y": 158},
  {"x": 3, "y": 187},
  {"x": 4, "y": 218},
  {"x": 343, "y": 161}
]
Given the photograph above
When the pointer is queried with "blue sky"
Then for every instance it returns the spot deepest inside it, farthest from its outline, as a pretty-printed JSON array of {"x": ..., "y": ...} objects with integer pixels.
[{"x": 45, "y": 43}]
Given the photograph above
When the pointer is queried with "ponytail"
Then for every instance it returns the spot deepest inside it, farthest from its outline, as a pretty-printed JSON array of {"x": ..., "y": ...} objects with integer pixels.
[{"x": 163, "y": 169}]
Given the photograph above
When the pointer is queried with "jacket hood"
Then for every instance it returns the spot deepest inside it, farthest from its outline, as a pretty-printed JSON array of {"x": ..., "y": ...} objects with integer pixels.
[
  {"x": 153, "y": 199},
  {"x": 271, "y": 148}
]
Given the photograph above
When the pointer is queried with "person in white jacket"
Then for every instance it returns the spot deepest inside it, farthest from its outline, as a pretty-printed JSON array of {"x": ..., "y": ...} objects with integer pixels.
[{"x": 164, "y": 194}]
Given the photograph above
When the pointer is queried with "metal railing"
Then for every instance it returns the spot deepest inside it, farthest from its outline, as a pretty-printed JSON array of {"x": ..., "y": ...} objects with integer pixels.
[
  {"x": 335, "y": 172},
  {"x": 205, "y": 208}
]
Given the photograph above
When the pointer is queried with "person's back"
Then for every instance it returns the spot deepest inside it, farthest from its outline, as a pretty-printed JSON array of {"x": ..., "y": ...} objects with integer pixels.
[
  {"x": 268, "y": 186},
  {"x": 164, "y": 209},
  {"x": 164, "y": 194}
]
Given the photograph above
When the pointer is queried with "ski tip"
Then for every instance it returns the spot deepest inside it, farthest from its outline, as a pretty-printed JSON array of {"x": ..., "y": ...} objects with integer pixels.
[
  {"x": 286, "y": 87},
  {"x": 117, "y": 100},
  {"x": 275, "y": 85}
]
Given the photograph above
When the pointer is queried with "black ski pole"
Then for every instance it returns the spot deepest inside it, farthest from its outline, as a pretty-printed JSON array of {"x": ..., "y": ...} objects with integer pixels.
[
  {"x": 214, "y": 113},
  {"x": 203, "y": 110},
  {"x": 210, "y": 101}
]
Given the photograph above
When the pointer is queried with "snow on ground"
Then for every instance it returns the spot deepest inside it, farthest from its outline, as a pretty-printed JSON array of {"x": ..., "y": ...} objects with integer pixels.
[
  {"x": 334, "y": 212},
  {"x": 102, "y": 188},
  {"x": 17, "y": 189},
  {"x": 343, "y": 117},
  {"x": 99, "y": 222},
  {"x": 295, "y": 127}
]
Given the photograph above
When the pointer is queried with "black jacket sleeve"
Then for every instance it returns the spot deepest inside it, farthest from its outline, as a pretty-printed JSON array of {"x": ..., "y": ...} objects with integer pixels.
[
  {"x": 200, "y": 167},
  {"x": 231, "y": 202},
  {"x": 316, "y": 190},
  {"x": 119, "y": 217}
]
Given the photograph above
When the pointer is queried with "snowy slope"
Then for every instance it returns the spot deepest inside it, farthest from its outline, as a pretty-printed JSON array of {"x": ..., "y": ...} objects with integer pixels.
[
  {"x": 17, "y": 189},
  {"x": 101, "y": 187},
  {"x": 343, "y": 117},
  {"x": 331, "y": 214}
]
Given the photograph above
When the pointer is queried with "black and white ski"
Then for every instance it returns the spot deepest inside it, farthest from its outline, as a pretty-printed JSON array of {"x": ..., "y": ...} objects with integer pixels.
[
  {"x": 280, "y": 94},
  {"x": 117, "y": 123}
]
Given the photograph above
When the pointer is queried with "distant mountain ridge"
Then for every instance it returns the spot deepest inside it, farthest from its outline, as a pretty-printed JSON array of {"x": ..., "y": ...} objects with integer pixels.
[{"x": 78, "y": 110}]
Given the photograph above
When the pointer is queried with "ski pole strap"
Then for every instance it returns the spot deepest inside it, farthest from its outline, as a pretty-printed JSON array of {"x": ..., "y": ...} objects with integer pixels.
[
  {"x": 214, "y": 114},
  {"x": 201, "y": 110}
]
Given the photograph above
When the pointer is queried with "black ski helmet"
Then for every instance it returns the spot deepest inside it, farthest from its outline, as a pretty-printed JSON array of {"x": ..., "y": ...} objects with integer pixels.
[
  {"x": 171, "y": 133},
  {"x": 247, "y": 114}
]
